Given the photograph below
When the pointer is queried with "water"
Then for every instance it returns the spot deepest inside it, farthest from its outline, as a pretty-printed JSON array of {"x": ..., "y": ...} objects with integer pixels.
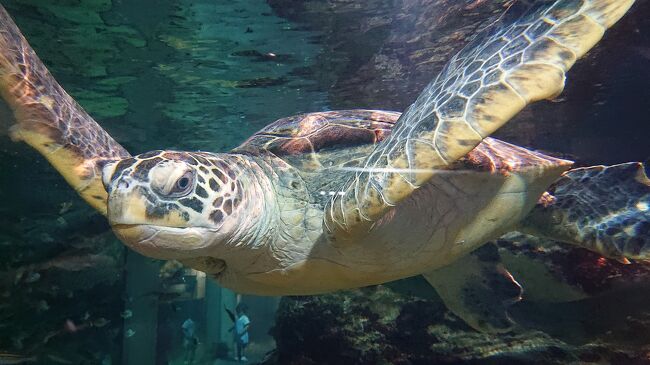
[{"x": 205, "y": 75}]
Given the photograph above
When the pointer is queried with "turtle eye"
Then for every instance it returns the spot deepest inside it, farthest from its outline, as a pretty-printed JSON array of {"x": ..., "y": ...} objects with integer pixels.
[{"x": 183, "y": 185}]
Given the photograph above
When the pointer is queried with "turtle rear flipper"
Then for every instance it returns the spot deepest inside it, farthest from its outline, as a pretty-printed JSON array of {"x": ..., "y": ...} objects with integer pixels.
[
  {"x": 605, "y": 209},
  {"x": 520, "y": 59},
  {"x": 50, "y": 121},
  {"x": 478, "y": 289}
]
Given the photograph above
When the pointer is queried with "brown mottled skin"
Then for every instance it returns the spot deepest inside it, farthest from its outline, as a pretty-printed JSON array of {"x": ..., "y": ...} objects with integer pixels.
[
  {"x": 617, "y": 226},
  {"x": 310, "y": 133},
  {"x": 332, "y": 200},
  {"x": 50, "y": 120},
  {"x": 213, "y": 174}
]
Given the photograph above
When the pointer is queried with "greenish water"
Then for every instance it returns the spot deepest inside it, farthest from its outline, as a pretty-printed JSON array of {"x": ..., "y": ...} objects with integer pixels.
[
  {"x": 205, "y": 75},
  {"x": 195, "y": 75}
]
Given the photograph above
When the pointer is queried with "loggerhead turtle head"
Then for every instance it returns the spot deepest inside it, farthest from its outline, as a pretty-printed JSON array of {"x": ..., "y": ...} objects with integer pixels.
[{"x": 176, "y": 205}]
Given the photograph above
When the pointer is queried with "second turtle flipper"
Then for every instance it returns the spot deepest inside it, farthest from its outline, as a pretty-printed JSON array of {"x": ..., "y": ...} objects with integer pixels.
[
  {"x": 520, "y": 59},
  {"x": 478, "y": 289},
  {"x": 605, "y": 209}
]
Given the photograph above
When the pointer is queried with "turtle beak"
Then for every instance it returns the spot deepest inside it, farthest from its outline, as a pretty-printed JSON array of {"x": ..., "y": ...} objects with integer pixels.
[
  {"x": 126, "y": 205},
  {"x": 130, "y": 202},
  {"x": 135, "y": 221},
  {"x": 107, "y": 173}
]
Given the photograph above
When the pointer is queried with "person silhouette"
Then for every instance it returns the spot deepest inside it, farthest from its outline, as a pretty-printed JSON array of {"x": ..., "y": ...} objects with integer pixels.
[
  {"x": 189, "y": 341},
  {"x": 242, "y": 324}
]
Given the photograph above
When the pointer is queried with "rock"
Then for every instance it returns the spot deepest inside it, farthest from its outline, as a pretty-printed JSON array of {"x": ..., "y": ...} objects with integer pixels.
[{"x": 378, "y": 325}]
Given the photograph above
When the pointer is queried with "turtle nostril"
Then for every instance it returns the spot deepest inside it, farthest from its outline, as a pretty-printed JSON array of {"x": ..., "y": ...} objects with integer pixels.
[{"x": 123, "y": 184}]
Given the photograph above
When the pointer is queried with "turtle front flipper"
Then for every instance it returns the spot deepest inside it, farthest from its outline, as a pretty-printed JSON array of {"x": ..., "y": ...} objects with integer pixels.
[
  {"x": 478, "y": 289},
  {"x": 49, "y": 120},
  {"x": 605, "y": 209},
  {"x": 520, "y": 59}
]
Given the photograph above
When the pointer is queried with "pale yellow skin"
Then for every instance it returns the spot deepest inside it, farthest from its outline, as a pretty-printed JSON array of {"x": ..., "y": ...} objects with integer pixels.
[{"x": 469, "y": 208}]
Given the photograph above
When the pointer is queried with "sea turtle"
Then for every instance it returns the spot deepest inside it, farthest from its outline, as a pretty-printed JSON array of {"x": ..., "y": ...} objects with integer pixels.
[{"x": 341, "y": 199}]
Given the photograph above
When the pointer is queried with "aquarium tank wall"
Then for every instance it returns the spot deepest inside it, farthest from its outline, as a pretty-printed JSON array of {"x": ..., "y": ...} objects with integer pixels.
[{"x": 308, "y": 246}]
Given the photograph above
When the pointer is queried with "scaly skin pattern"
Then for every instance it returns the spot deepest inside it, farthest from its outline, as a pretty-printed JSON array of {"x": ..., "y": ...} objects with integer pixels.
[
  {"x": 522, "y": 58},
  {"x": 603, "y": 208},
  {"x": 50, "y": 121}
]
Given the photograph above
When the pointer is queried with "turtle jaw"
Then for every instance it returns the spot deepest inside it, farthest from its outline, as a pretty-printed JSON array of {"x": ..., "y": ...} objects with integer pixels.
[
  {"x": 167, "y": 243},
  {"x": 162, "y": 230}
]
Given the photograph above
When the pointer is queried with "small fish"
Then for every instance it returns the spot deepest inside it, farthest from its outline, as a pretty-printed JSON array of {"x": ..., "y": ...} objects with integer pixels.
[
  {"x": 20, "y": 273},
  {"x": 126, "y": 314},
  {"x": 50, "y": 335},
  {"x": 100, "y": 322},
  {"x": 32, "y": 277},
  {"x": 42, "y": 306},
  {"x": 71, "y": 327},
  {"x": 129, "y": 333},
  {"x": 46, "y": 238},
  {"x": 65, "y": 207},
  {"x": 78, "y": 262},
  {"x": 11, "y": 359},
  {"x": 26, "y": 275}
]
